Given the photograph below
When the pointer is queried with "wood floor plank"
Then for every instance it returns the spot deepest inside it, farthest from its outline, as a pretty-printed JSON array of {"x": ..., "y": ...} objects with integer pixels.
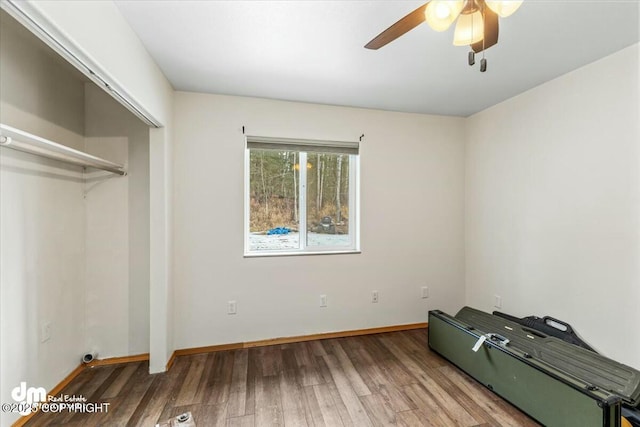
[
  {"x": 244, "y": 421},
  {"x": 293, "y": 407},
  {"x": 379, "y": 411},
  {"x": 521, "y": 418},
  {"x": 203, "y": 391},
  {"x": 89, "y": 389},
  {"x": 192, "y": 380},
  {"x": 289, "y": 362},
  {"x": 429, "y": 409},
  {"x": 125, "y": 404},
  {"x": 271, "y": 358},
  {"x": 412, "y": 418},
  {"x": 310, "y": 376},
  {"x": 349, "y": 370},
  {"x": 415, "y": 351},
  {"x": 388, "y": 364},
  {"x": 307, "y": 366},
  {"x": 304, "y": 354},
  {"x": 372, "y": 343},
  {"x": 312, "y": 407},
  {"x": 398, "y": 401},
  {"x": 479, "y": 414},
  {"x": 134, "y": 420},
  {"x": 181, "y": 367},
  {"x": 237, "y": 403},
  {"x": 268, "y": 401},
  {"x": 108, "y": 382},
  {"x": 73, "y": 388},
  {"x": 347, "y": 393},
  {"x": 445, "y": 401},
  {"x": 328, "y": 408},
  {"x": 239, "y": 376},
  {"x": 379, "y": 380},
  {"x": 317, "y": 348},
  {"x": 213, "y": 415},
  {"x": 220, "y": 381},
  {"x": 164, "y": 393},
  {"x": 204, "y": 415},
  {"x": 479, "y": 397},
  {"x": 253, "y": 372},
  {"x": 118, "y": 384},
  {"x": 333, "y": 393}
]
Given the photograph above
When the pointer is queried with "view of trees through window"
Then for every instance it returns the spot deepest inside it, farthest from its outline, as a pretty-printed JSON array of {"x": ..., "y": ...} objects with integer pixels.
[{"x": 275, "y": 212}]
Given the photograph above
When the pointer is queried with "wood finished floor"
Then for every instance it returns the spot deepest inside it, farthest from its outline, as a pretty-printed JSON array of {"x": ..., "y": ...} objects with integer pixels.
[{"x": 374, "y": 380}]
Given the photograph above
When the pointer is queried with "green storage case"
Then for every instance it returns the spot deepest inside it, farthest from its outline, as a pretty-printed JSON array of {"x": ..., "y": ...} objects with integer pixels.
[
  {"x": 592, "y": 368},
  {"x": 548, "y": 394}
]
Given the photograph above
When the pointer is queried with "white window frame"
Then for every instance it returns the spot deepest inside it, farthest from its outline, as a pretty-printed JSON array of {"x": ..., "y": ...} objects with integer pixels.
[{"x": 354, "y": 198}]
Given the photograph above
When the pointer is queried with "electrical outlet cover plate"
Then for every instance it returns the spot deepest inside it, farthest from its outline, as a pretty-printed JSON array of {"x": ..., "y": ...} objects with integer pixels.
[
  {"x": 497, "y": 301},
  {"x": 232, "y": 307},
  {"x": 323, "y": 300},
  {"x": 46, "y": 332}
]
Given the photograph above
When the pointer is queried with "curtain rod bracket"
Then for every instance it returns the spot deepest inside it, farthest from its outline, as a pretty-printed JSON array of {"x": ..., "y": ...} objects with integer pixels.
[{"x": 361, "y": 136}]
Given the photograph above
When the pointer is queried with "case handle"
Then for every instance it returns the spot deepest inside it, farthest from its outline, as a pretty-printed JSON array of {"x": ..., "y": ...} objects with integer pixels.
[{"x": 557, "y": 324}]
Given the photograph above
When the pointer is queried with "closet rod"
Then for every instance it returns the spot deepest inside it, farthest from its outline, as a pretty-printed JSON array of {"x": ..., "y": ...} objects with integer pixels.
[{"x": 23, "y": 141}]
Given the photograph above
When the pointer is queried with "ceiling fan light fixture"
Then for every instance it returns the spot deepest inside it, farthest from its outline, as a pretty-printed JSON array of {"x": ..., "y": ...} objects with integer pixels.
[
  {"x": 504, "y": 8},
  {"x": 440, "y": 14},
  {"x": 469, "y": 29}
]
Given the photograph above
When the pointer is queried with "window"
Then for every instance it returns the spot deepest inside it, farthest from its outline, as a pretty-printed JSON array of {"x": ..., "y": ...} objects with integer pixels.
[{"x": 300, "y": 196}]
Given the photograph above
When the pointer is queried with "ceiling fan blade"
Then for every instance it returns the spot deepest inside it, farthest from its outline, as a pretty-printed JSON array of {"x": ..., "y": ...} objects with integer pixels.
[
  {"x": 404, "y": 25},
  {"x": 490, "y": 31}
]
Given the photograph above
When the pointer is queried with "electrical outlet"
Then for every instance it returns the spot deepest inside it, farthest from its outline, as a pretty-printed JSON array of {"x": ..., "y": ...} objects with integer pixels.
[
  {"x": 425, "y": 292},
  {"x": 45, "y": 333},
  {"x": 232, "y": 307},
  {"x": 323, "y": 300},
  {"x": 497, "y": 301},
  {"x": 374, "y": 296}
]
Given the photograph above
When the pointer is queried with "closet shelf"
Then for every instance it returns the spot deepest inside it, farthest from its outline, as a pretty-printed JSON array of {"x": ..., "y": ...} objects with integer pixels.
[{"x": 23, "y": 141}]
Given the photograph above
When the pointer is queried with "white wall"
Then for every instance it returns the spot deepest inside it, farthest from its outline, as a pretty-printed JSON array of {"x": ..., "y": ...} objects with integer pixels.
[
  {"x": 107, "y": 252},
  {"x": 117, "y": 230},
  {"x": 42, "y": 227},
  {"x": 100, "y": 34},
  {"x": 412, "y": 192},
  {"x": 97, "y": 32},
  {"x": 161, "y": 334},
  {"x": 74, "y": 245},
  {"x": 552, "y": 204}
]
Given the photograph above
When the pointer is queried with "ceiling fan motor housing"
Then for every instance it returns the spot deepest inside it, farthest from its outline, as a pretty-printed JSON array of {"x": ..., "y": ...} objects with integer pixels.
[{"x": 472, "y": 6}]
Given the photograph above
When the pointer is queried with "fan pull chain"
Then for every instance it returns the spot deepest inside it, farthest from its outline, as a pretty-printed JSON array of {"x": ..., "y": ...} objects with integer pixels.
[{"x": 483, "y": 61}]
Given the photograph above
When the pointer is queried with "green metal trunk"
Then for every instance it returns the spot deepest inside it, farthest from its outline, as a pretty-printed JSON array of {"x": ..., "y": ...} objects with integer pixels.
[{"x": 547, "y": 394}]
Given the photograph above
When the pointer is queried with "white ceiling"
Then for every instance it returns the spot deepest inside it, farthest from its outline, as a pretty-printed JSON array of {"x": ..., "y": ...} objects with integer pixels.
[{"x": 312, "y": 51}]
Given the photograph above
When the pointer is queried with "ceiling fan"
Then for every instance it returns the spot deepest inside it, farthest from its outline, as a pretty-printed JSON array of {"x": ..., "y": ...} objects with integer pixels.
[{"x": 477, "y": 24}]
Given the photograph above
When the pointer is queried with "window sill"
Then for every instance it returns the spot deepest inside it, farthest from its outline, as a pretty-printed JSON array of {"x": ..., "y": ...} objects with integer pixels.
[{"x": 299, "y": 253}]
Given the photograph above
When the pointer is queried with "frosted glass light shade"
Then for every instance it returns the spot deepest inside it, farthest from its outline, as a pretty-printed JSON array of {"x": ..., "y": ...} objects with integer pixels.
[
  {"x": 504, "y": 8},
  {"x": 440, "y": 14},
  {"x": 469, "y": 29}
]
